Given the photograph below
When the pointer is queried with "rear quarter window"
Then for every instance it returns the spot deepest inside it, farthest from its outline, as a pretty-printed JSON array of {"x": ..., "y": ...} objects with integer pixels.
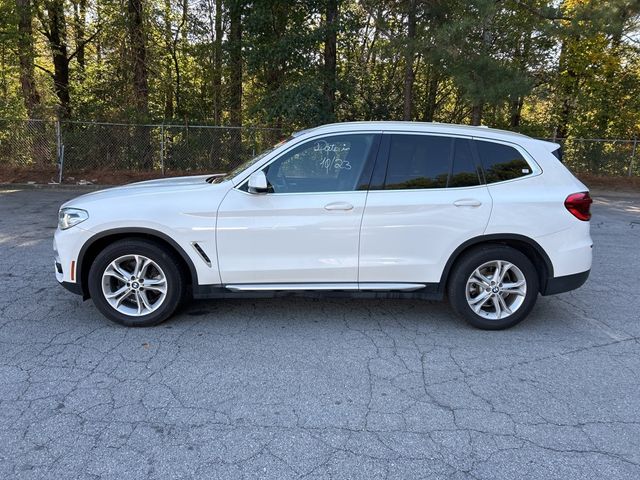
[
  {"x": 558, "y": 153},
  {"x": 501, "y": 162}
]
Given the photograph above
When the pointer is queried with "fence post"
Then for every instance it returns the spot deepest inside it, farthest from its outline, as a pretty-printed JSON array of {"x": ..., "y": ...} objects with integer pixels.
[
  {"x": 162, "y": 149},
  {"x": 633, "y": 154},
  {"x": 59, "y": 150}
]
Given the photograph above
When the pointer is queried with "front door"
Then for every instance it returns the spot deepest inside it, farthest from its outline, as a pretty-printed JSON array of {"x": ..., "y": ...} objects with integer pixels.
[{"x": 306, "y": 229}]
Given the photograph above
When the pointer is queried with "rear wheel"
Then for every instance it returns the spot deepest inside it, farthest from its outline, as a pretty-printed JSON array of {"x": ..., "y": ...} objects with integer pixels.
[
  {"x": 493, "y": 287},
  {"x": 136, "y": 283}
]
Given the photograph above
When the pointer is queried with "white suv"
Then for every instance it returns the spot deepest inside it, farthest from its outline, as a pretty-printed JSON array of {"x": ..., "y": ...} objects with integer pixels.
[{"x": 372, "y": 209}]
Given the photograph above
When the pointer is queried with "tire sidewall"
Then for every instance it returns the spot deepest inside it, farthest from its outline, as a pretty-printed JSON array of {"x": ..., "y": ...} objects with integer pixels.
[
  {"x": 471, "y": 261},
  {"x": 157, "y": 253}
]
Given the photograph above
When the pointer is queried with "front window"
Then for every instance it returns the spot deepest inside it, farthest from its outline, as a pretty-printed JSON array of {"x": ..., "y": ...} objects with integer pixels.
[{"x": 328, "y": 164}]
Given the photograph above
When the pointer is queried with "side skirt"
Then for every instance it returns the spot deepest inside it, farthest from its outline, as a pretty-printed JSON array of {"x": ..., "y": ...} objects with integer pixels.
[{"x": 429, "y": 291}]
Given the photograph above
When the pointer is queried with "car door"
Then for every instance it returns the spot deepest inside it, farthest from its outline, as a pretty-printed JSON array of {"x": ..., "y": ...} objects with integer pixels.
[
  {"x": 305, "y": 230},
  {"x": 425, "y": 201}
]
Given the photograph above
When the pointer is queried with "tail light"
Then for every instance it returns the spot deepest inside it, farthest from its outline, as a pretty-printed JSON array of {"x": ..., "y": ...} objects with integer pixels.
[{"x": 579, "y": 204}]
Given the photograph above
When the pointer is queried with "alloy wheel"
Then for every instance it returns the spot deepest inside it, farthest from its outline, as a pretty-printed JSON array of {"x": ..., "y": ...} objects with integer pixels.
[
  {"x": 134, "y": 285},
  {"x": 496, "y": 289}
]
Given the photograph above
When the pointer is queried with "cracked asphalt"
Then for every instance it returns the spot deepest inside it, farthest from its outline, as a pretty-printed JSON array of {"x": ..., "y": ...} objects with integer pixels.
[{"x": 302, "y": 388}]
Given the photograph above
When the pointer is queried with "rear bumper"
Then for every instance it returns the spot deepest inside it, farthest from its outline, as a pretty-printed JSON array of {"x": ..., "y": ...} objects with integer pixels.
[{"x": 564, "y": 284}]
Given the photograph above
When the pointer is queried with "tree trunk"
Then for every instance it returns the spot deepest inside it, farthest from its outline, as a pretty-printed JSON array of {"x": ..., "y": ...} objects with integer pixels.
[
  {"x": 432, "y": 96},
  {"x": 79, "y": 20},
  {"x": 515, "y": 106},
  {"x": 30, "y": 94},
  {"x": 138, "y": 57},
  {"x": 98, "y": 39},
  {"x": 567, "y": 87},
  {"x": 476, "y": 114},
  {"x": 409, "y": 74},
  {"x": 174, "y": 55},
  {"x": 58, "y": 42},
  {"x": 217, "y": 66},
  {"x": 330, "y": 54},
  {"x": 137, "y": 39},
  {"x": 168, "y": 67},
  {"x": 235, "y": 80},
  {"x": 235, "y": 60}
]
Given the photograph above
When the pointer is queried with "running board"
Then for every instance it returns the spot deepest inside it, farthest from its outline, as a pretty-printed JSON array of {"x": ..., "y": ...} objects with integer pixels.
[{"x": 292, "y": 287}]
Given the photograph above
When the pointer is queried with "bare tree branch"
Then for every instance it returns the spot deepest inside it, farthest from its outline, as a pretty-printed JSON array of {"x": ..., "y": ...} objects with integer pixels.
[{"x": 83, "y": 43}]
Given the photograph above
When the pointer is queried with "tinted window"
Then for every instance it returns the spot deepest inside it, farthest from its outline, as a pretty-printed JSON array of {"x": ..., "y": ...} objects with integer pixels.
[
  {"x": 423, "y": 161},
  {"x": 501, "y": 162},
  {"x": 330, "y": 164},
  {"x": 463, "y": 171},
  {"x": 418, "y": 161},
  {"x": 558, "y": 153}
]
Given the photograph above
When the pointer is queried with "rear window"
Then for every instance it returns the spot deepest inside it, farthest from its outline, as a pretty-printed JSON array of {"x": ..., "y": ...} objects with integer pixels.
[
  {"x": 501, "y": 162},
  {"x": 429, "y": 161}
]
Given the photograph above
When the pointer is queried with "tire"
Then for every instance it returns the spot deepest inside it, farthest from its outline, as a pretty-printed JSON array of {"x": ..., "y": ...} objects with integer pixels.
[
  {"x": 474, "y": 299},
  {"x": 146, "y": 298}
]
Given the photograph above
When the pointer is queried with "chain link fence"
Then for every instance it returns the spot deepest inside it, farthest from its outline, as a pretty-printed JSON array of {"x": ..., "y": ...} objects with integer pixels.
[
  {"x": 609, "y": 157},
  {"x": 90, "y": 149},
  {"x": 71, "y": 149}
]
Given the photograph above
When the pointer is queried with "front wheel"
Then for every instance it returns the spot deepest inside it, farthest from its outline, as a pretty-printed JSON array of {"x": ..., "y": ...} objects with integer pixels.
[
  {"x": 493, "y": 287},
  {"x": 136, "y": 283}
]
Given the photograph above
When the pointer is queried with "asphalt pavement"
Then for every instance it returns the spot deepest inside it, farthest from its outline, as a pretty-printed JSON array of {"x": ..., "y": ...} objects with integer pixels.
[{"x": 307, "y": 388}]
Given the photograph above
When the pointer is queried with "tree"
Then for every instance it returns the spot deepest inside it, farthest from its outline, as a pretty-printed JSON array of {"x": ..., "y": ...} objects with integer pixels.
[
  {"x": 538, "y": 66},
  {"x": 138, "y": 53},
  {"x": 217, "y": 65},
  {"x": 330, "y": 56},
  {"x": 54, "y": 27},
  {"x": 409, "y": 60},
  {"x": 25, "y": 52},
  {"x": 235, "y": 62}
]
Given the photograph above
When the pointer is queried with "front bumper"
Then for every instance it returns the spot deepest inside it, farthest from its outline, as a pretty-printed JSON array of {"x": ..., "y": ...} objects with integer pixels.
[
  {"x": 73, "y": 287},
  {"x": 66, "y": 247}
]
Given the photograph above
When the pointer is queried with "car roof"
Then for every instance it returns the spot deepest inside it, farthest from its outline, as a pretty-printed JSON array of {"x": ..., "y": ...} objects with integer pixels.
[{"x": 431, "y": 127}]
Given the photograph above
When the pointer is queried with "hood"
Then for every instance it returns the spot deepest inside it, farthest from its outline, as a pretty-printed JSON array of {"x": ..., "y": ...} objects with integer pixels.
[
  {"x": 164, "y": 187},
  {"x": 170, "y": 182}
]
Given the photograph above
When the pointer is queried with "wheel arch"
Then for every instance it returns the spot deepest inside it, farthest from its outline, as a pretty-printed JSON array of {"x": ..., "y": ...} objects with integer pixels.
[
  {"x": 523, "y": 244},
  {"x": 99, "y": 241}
]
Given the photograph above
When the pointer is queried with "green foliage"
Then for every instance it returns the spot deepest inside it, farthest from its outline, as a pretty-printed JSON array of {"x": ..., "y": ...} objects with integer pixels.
[{"x": 541, "y": 67}]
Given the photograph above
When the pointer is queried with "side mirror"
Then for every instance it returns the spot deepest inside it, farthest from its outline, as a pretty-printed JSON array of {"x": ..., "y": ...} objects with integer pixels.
[{"x": 258, "y": 182}]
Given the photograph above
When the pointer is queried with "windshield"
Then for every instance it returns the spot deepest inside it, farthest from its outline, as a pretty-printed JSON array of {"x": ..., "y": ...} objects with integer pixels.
[{"x": 244, "y": 165}]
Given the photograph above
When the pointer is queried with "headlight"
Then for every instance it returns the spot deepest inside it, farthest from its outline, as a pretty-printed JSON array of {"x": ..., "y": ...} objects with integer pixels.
[{"x": 68, "y": 217}]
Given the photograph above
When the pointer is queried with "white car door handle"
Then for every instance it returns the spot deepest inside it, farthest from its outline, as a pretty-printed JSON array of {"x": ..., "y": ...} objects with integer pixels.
[
  {"x": 338, "y": 206},
  {"x": 467, "y": 202}
]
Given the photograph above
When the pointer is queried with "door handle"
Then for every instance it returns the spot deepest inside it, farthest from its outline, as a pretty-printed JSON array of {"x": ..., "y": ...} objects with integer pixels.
[
  {"x": 338, "y": 206},
  {"x": 467, "y": 202}
]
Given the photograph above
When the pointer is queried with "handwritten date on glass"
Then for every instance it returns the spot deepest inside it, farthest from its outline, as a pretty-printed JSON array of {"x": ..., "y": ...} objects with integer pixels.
[{"x": 331, "y": 153}]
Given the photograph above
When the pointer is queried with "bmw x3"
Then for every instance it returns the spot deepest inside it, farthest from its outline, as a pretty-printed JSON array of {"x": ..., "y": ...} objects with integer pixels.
[{"x": 486, "y": 218}]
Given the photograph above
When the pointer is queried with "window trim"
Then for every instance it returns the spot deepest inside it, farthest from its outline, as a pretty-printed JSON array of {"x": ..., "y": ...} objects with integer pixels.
[
  {"x": 382, "y": 163},
  {"x": 533, "y": 165},
  {"x": 361, "y": 184}
]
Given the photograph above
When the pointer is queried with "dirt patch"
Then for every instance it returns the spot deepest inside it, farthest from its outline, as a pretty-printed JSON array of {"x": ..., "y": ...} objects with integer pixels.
[
  {"x": 83, "y": 177},
  {"x": 621, "y": 184}
]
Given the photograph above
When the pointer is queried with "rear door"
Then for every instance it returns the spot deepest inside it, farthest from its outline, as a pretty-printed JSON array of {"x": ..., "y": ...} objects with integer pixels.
[{"x": 425, "y": 200}]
